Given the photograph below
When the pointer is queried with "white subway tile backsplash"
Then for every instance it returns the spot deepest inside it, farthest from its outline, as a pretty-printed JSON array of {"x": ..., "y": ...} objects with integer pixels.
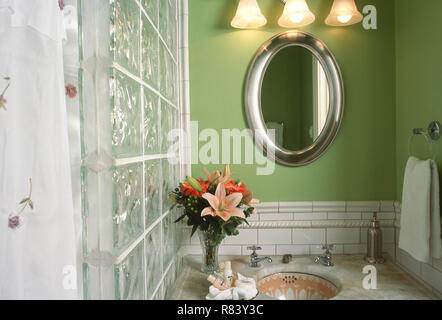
[
  {"x": 253, "y": 218},
  {"x": 249, "y": 236},
  {"x": 380, "y": 215},
  {"x": 295, "y": 206},
  {"x": 308, "y": 236},
  {"x": 343, "y": 235},
  {"x": 363, "y": 206},
  {"x": 328, "y": 206},
  {"x": 367, "y": 216},
  {"x": 320, "y": 223},
  {"x": 364, "y": 235},
  {"x": 309, "y": 216},
  {"x": 267, "y": 250},
  {"x": 317, "y": 249},
  {"x": 338, "y": 249},
  {"x": 274, "y": 236},
  {"x": 386, "y": 215},
  {"x": 275, "y": 216},
  {"x": 387, "y": 206},
  {"x": 344, "y": 215},
  {"x": 229, "y": 250},
  {"x": 293, "y": 249},
  {"x": 388, "y": 235},
  {"x": 267, "y": 207},
  {"x": 354, "y": 248}
]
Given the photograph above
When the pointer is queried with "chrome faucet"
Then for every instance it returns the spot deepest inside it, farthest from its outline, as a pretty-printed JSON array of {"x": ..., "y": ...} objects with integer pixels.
[
  {"x": 254, "y": 259},
  {"x": 326, "y": 258}
]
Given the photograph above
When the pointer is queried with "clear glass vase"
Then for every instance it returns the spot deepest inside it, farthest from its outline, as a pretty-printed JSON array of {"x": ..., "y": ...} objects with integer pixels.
[{"x": 210, "y": 252}]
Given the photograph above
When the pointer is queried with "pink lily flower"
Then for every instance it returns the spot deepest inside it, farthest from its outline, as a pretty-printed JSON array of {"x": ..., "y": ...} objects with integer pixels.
[
  {"x": 212, "y": 177},
  {"x": 222, "y": 205}
]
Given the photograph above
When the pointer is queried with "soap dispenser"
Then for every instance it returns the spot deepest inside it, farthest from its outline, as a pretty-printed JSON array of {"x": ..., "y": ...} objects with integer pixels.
[{"x": 374, "y": 242}]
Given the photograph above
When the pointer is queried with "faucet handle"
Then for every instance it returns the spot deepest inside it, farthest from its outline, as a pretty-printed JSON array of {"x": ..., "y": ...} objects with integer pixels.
[
  {"x": 254, "y": 248},
  {"x": 328, "y": 247}
]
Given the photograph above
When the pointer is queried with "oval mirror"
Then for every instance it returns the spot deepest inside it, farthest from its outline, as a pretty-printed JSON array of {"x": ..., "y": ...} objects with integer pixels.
[{"x": 294, "y": 98}]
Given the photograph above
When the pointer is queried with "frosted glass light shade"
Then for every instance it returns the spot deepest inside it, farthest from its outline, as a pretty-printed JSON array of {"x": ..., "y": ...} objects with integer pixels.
[
  {"x": 296, "y": 14},
  {"x": 343, "y": 13},
  {"x": 248, "y": 15}
]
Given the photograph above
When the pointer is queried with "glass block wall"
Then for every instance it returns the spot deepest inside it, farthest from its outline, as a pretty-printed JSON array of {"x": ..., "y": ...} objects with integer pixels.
[{"x": 132, "y": 95}]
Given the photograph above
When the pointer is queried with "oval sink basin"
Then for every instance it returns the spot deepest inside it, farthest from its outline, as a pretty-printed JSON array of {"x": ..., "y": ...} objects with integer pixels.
[{"x": 297, "y": 286}]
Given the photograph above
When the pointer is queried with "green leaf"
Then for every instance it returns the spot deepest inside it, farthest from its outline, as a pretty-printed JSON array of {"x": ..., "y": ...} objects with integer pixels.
[
  {"x": 194, "y": 228},
  {"x": 230, "y": 229},
  {"x": 31, "y": 204},
  {"x": 24, "y": 200},
  {"x": 180, "y": 218}
]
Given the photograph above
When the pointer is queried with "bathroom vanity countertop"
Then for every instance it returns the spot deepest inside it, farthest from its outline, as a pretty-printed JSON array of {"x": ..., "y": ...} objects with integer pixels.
[{"x": 392, "y": 282}]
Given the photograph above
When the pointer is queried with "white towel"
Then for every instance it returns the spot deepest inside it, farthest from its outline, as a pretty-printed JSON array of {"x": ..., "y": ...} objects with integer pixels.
[
  {"x": 235, "y": 293},
  {"x": 420, "y": 233}
]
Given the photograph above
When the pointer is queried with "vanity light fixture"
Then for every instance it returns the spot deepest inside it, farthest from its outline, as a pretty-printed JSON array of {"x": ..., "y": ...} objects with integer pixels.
[
  {"x": 296, "y": 14},
  {"x": 248, "y": 15},
  {"x": 343, "y": 13}
]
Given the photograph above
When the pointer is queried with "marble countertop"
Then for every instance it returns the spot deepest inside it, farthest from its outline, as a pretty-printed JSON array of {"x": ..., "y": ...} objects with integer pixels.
[{"x": 392, "y": 282}]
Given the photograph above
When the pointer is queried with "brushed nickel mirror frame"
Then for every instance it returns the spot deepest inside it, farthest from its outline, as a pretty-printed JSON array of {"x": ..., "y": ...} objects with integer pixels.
[{"x": 252, "y": 98}]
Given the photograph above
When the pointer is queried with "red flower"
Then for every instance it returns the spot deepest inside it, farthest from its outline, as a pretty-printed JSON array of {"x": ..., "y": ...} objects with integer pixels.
[
  {"x": 71, "y": 91},
  {"x": 233, "y": 188},
  {"x": 204, "y": 184},
  {"x": 187, "y": 190}
]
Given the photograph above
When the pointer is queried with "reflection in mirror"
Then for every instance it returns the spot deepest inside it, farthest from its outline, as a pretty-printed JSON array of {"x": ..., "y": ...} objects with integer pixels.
[{"x": 295, "y": 98}]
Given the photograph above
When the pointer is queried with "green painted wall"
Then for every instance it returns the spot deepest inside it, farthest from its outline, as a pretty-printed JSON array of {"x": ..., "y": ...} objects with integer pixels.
[
  {"x": 419, "y": 75},
  {"x": 361, "y": 163}
]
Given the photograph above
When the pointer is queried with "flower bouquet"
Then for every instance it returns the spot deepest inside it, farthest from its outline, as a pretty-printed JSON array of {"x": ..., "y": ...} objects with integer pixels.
[{"x": 214, "y": 207}]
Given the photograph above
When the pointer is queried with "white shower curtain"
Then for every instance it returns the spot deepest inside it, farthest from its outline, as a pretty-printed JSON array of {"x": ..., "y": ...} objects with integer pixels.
[{"x": 37, "y": 259}]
